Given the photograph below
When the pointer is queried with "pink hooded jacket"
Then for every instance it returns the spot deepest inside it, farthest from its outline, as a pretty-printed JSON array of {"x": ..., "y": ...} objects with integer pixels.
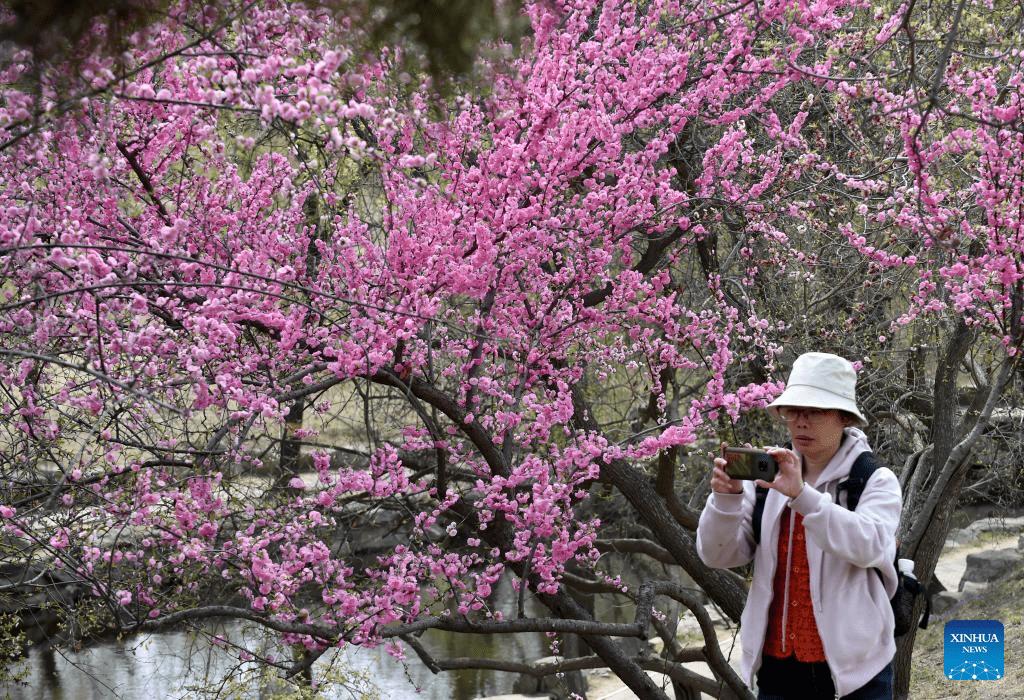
[{"x": 851, "y": 604}]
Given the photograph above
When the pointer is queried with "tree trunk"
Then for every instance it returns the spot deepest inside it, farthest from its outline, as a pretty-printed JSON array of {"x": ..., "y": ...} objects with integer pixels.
[
  {"x": 291, "y": 447},
  {"x": 928, "y": 507}
]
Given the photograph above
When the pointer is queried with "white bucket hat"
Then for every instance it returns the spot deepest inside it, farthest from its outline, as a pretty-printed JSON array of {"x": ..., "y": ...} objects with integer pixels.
[{"x": 821, "y": 380}]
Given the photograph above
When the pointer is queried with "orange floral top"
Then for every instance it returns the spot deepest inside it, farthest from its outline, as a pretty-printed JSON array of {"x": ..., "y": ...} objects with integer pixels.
[{"x": 792, "y": 630}]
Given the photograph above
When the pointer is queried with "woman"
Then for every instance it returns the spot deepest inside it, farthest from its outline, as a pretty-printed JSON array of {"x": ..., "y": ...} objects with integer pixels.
[{"x": 817, "y": 622}]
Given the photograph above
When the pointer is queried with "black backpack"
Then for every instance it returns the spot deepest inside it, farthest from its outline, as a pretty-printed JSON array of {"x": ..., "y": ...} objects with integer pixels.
[{"x": 907, "y": 588}]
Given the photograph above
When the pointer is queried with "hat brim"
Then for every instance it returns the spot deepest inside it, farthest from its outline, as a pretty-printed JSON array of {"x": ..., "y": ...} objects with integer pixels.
[{"x": 802, "y": 396}]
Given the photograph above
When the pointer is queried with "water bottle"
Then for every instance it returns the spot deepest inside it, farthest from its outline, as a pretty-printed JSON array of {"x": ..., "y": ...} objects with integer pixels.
[{"x": 906, "y": 567}]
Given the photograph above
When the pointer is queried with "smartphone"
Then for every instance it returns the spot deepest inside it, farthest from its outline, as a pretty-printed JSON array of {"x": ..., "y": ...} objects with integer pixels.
[{"x": 749, "y": 463}]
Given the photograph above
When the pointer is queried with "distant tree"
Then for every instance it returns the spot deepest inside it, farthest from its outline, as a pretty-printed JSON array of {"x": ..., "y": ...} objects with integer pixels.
[
  {"x": 290, "y": 338},
  {"x": 446, "y": 33}
]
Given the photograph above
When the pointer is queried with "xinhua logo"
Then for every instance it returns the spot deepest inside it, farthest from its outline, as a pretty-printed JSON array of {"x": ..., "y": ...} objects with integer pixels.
[{"x": 973, "y": 650}]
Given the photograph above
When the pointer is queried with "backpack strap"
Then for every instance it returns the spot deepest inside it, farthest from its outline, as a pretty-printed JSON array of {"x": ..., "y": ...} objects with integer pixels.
[{"x": 863, "y": 467}]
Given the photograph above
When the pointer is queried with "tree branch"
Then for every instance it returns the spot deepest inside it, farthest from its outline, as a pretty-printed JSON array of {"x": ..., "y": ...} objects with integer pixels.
[
  {"x": 635, "y": 545},
  {"x": 537, "y": 624}
]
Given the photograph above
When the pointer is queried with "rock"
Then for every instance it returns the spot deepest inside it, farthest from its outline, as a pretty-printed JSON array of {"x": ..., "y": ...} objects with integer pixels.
[
  {"x": 970, "y": 533},
  {"x": 941, "y": 602},
  {"x": 957, "y": 538},
  {"x": 972, "y": 587},
  {"x": 985, "y": 567},
  {"x": 32, "y": 594}
]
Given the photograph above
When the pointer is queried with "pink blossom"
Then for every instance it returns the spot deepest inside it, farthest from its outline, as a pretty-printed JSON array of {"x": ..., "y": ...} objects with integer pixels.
[{"x": 208, "y": 529}]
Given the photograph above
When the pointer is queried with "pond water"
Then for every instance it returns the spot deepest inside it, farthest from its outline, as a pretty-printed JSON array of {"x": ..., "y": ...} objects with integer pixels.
[{"x": 176, "y": 664}]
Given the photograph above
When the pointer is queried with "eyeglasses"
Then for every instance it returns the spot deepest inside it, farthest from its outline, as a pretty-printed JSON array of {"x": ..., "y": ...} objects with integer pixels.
[{"x": 791, "y": 413}]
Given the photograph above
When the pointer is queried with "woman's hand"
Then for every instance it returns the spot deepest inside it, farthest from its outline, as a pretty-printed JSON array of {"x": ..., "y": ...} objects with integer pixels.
[
  {"x": 722, "y": 482},
  {"x": 790, "y": 479}
]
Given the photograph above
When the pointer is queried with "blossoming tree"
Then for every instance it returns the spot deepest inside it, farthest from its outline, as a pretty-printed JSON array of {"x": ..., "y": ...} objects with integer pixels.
[{"x": 264, "y": 292}]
